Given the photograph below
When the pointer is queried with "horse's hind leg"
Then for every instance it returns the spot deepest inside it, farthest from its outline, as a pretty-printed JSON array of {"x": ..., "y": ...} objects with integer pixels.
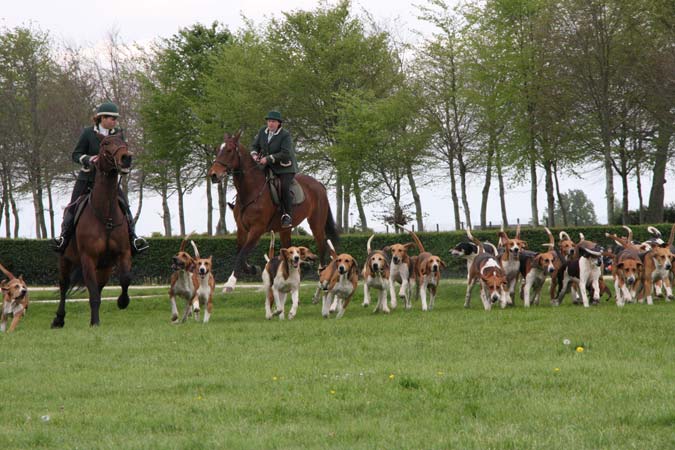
[
  {"x": 125, "y": 279},
  {"x": 317, "y": 224},
  {"x": 64, "y": 283}
]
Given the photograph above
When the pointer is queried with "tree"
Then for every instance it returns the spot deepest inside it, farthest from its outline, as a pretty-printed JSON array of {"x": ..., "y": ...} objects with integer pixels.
[{"x": 577, "y": 208}]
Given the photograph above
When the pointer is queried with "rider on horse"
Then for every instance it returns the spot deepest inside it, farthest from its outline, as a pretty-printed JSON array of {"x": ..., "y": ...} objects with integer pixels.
[
  {"x": 85, "y": 153},
  {"x": 273, "y": 148}
]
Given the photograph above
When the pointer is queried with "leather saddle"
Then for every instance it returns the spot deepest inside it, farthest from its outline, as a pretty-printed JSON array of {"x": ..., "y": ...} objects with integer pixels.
[{"x": 297, "y": 193}]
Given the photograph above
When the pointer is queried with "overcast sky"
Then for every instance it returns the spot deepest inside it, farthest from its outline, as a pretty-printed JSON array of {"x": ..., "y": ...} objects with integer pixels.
[{"x": 86, "y": 23}]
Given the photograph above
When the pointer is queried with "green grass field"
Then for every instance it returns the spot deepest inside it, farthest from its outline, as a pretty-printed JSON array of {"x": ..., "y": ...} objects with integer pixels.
[{"x": 451, "y": 378}]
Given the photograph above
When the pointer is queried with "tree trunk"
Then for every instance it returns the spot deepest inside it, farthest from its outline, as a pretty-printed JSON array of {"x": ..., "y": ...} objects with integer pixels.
[
  {"x": 502, "y": 191},
  {"x": 657, "y": 193},
  {"x": 346, "y": 199},
  {"x": 533, "y": 189},
  {"x": 561, "y": 201},
  {"x": 36, "y": 208},
  {"x": 638, "y": 186},
  {"x": 359, "y": 205},
  {"x": 221, "y": 227},
  {"x": 166, "y": 212},
  {"x": 51, "y": 209},
  {"x": 5, "y": 202},
  {"x": 209, "y": 208},
  {"x": 609, "y": 184},
  {"x": 338, "y": 200},
  {"x": 465, "y": 201},
  {"x": 453, "y": 194},
  {"x": 15, "y": 211},
  {"x": 485, "y": 194},
  {"x": 181, "y": 209},
  {"x": 550, "y": 197},
  {"x": 416, "y": 197}
]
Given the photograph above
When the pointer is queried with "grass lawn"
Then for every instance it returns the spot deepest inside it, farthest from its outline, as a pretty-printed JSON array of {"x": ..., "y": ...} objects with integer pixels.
[{"x": 451, "y": 378}]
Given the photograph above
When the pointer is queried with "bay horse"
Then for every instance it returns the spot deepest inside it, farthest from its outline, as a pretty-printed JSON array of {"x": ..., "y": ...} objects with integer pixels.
[
  {"x": 255, "y": 213},
  {"x": 101, "y": 239}
]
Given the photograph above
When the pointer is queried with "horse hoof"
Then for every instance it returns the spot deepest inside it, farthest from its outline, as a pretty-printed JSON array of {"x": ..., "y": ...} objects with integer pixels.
[
  {"x": 94, "y": 324},
  {"x": 123, "y": 301},
  {"x": 57, "y": 323}
]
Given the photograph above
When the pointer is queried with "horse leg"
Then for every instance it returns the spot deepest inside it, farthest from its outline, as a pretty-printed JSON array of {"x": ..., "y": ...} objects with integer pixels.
[
  {"x": 317, "y": 226},
  {"x": 124, "y": 273},
  {"x": 240, "y": 260},
  {"x": 64, "y": 283},
  {"x": 91, "y": 282}
]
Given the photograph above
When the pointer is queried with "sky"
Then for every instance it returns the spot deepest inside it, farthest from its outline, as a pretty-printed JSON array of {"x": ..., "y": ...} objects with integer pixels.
[{"x": 86, "y": 24}]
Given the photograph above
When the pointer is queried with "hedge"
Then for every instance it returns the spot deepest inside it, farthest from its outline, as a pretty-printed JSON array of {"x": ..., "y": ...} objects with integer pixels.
[{"x": 39, "y": 264}]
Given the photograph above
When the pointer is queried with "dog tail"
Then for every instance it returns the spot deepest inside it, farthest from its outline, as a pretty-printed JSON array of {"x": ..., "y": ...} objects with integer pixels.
[
  {"x": 330, "y": 228},
  {"x": 654, "y": 231},
  {"x": 194, "y": 247},
  {"x": 630, "y": 233},
  {"x": 478, "y": 243},
  {"x": 9, "y": 274},
  {"x": 368, "y": 248},
  {"x": 270, "y": 252},
  {"x": 184, "y": 242},
  {"x": 333, "y": 253},
  {"x": 564, "y": 236},
  {"x": 551, "y": 239},
  {"x": 518, "y": 231},
  {"x": 420, "y": 247}
]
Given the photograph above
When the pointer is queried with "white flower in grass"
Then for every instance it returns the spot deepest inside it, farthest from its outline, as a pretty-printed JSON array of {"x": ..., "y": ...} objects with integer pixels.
[{"x": 567, "y": 341}]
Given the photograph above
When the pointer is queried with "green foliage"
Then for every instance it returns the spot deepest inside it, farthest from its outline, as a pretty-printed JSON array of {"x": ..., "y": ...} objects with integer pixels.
[
  {"x": 579, "y": 210},
  {"x": 450, "y": 378}
]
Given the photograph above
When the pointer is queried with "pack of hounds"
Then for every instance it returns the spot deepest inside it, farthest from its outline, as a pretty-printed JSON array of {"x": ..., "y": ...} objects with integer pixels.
[{"x": 640, "y": 271}]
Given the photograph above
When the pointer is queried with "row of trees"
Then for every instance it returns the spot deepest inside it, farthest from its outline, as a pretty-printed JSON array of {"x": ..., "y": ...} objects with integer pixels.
[{"x": 502, "y": 91}]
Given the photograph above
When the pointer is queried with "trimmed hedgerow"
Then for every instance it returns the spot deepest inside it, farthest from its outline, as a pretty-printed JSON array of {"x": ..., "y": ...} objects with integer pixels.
[{"x": 39, "y": 264}]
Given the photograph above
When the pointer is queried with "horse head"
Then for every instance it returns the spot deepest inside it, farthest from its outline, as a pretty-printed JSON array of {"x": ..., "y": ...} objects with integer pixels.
[
  {"x": 114, "y": 155},
  {"x": 228, "y": 157}
]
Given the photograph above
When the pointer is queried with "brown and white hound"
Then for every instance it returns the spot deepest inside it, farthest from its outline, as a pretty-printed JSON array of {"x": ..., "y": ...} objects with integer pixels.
[
  {"x": 426, "y": 273},
  {"x": 582, "y": 273},
  {"x": 14, "y": 299},
  {"x": 510, "y": 258},
  {"x": 534, "y": 267},
  {"x": 207, "y": 284},
  {"x": 400, "y": 271},
  {"x": 627, "y": 268},
  {"x": 376, "y": 276},
  {"x": 338, "y": 282},
  {"x": 658, "y": 264},
  {"x": 486, "y": 270},
  {"x": 281, "y": 276},
  {"x": 184, "y": 282}
]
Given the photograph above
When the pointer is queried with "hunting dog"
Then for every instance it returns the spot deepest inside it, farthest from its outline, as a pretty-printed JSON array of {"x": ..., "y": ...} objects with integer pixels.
[
  {"x": 582, "y": 273},
  {"x": 376, "y": 276},
  {"x": 426, "y": 273},
  {"x": 626, "y": 269},
  {"x": 281, "y": 276},
  {"x": 565, "y": 252},
  {"x": 658, "y": 264},
  {"x": 338, "y": 282},
  {"x": 184, "y": 282},
  {"x": 14, "y": 299},
  {"x": 468, "y": 251},
  {"x": 510, "y": 258},
  {"x": 400, "y": 270},
  {"x": 534, "y": 267},
  {"x": 207, "y": 284},
  {"x": 487, "y": 270}
]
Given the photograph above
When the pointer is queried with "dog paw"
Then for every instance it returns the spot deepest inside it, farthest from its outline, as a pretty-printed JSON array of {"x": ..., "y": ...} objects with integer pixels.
[{"x": 366, "y": 304}]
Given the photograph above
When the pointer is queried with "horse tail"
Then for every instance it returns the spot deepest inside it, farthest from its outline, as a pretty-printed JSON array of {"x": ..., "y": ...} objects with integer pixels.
[{"x": 331, "y": 229}]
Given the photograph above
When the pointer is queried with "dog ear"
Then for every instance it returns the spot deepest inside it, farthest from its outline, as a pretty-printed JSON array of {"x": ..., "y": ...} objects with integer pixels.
[
  {"x": 307, "y": 254},
  {"x": 283, "y": 252},
  {"x": 523, "y": 244},
  {"x": 354, "y": 269},
  {"x": 386, "y": 248},
  {"x": 409, "y": 245},
  {"x": 443, "y": 265}
]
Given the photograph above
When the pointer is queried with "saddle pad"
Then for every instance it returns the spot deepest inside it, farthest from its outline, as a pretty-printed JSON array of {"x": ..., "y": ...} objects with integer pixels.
[
  {"x": 297, "y": 193},
  {"x": 80, "y": 203}
]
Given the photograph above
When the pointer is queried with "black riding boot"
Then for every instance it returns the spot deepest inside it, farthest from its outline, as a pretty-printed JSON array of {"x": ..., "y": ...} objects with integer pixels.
[
  {"x": 67, "y": 228},
  {"x": 138, "y": 244},
  {"x": 286, "y": 200}
]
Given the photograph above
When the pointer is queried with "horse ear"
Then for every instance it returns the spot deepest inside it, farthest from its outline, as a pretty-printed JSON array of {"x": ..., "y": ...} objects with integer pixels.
[
  {"x": 99, "y": 136},
  {"x": 226, "y": 136}
]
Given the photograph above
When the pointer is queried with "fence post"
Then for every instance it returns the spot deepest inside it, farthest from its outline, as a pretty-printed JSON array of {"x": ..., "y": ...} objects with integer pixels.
[{"x": 436, "y": 228}]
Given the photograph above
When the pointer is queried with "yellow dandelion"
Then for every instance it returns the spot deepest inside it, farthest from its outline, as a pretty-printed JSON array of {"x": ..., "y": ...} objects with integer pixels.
[
  {"x": 199, "y": 398},
  {"x": 332, "y": 392},
  {"x": 439, "y": 373},
  {"x": 391, "y": 376},
  {"x": 580, "y": 349},
  {"x": 557, "y": 369},
  {"x": 274, "y": 378}
]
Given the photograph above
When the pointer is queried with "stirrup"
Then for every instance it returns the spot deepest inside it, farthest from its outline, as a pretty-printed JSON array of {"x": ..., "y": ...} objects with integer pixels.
[
  {"x": 139, "y": 244},
  {"x": 59, "y": 244},
  {"x": 286, "y": 221}
]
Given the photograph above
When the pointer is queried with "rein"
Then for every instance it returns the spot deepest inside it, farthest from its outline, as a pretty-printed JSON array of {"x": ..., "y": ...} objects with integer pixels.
[{"x": 241, "y": 172}]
